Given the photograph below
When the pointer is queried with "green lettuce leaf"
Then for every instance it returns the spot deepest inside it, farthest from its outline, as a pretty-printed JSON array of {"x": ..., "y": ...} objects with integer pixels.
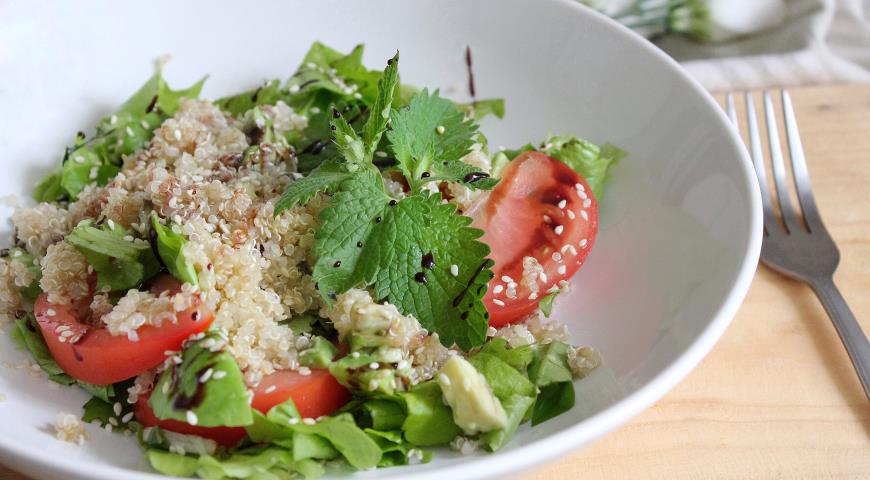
[
  {"x": 121, "y": 263},
  {"x": 170, "y": 246},
  {"x": 585, "y": 158},
  {"x": 429, "y": 420}
]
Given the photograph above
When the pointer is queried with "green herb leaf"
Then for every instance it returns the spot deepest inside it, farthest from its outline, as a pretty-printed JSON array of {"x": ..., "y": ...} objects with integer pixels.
[
  {"x": 172, "y": 464},
  {"x": 394, "y": 238},
  {"x": 267, "y": 94},
  {"x": 170, "y": 246},
  {"x": 546, "y": 303},
  {"x": 550, "y": 365},
  {"x": 383, "y": 414},
  {"x": 504, "y": 379},
  {"x": 380, "y": 112},
  {"x": 516, "y": 407},
  {"x": 120, "y": 263},
  {"x": 323, "y": 179},
  {"x": 49, "y": 189},
  {"x": 255, "y": 463},
  {"x": 341, "y": 431},
  {"x": 429, "y": 421},
  {"x": 554, "y": 399},
  {"x": 214, "y": 402},
  {"x": 350, "y": 146},
  {"x": 517, "y": 357},
  {"x": 430, "y": 129},
  {"x": 319, "y": 353},
  {"x": 484, "y": 107}
]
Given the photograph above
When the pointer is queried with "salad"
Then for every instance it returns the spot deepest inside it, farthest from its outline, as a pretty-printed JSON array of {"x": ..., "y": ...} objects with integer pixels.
[{"x": 336, "y": 271}]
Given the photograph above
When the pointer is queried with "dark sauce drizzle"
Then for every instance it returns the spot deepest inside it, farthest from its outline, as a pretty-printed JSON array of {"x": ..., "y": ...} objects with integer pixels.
[
  {"x": 458, "y": 299},
  {"x": 471, "y": 89}
]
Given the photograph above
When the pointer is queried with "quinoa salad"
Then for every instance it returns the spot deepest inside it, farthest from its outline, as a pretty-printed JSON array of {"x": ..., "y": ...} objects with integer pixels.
[{"x": 332, "y": 272}]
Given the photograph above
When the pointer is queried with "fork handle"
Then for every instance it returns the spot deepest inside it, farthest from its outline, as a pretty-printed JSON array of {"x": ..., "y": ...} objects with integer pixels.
[{"x": 847, "y": 327}]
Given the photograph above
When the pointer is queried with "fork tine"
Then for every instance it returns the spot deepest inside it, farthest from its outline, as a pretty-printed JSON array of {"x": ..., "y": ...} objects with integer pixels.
[
  {"x": 732, "y": 112},
  {"x": 789, "y": 216},
  {"x": 799, "y": 167},
  {"x": 758, "y": 161}
]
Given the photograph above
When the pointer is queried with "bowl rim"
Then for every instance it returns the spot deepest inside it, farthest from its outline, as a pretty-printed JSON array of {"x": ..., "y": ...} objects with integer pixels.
[{"x": 541, "y": 450}]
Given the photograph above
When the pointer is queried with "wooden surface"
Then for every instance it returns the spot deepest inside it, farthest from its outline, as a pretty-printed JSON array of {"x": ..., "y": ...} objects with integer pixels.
[{"x": 777, "y": 396}]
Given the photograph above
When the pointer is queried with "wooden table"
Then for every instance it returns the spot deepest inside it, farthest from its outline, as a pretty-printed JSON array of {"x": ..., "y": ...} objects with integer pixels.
[{"x": 777, "y": 397}]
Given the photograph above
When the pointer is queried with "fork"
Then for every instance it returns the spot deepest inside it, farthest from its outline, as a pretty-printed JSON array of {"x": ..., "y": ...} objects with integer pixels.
[{"x": 800, "y": 246}]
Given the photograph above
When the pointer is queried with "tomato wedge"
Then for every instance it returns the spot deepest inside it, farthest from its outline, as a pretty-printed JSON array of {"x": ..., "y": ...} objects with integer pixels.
[
  {"x": 541, "y": 209},
  {"x": 95, "y": 356},
  {"x": 314, "y": 395}
]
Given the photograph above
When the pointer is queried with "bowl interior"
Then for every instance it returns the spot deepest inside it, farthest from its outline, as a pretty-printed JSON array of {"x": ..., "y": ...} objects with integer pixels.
[{"x": 679, "y": 218}]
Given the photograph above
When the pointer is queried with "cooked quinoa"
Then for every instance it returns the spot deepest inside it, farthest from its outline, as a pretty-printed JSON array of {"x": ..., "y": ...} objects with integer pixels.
[{"x": 68, "y": 428}]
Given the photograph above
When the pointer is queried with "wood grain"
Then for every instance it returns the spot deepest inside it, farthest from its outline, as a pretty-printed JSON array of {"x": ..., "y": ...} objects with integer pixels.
[{"x": 777, "y": 397}]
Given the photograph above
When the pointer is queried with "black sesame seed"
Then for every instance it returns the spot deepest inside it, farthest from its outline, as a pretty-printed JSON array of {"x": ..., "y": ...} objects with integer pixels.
[
  {"x": 486, "y": 315},
  {"x": 393, "y": 202},
  {"x": 195, "y": 315},
  {"x": 359, "y": 244},
  {"x": 425, "y": 175},
  {"x": 464, "y": 315},
  {"x": 428, "y": 261},
  {"x": 420, "y": 277},
  {"x": 337, "y": 264},
  {"x": 335, "y": 113},
  {"x": 378, "y": 219}
]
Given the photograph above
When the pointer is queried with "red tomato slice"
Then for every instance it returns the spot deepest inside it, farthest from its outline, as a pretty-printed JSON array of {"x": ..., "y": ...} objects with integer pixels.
[
  {"x": 95, "y": 356},
  {"x": 314, "y": 395},
  {"x": 542, "y": 209}
]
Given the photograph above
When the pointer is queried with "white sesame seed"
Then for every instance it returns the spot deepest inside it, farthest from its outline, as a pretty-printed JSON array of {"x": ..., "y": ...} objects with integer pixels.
[
  {"x": 497, "y": 289},
  {"x": 177, "y": 134},
  {"x": 559, "y": 229},
  {"x": 583, "y": 243},
  {"x": 547, "y": 219},
  {"x": 533, "y": 296},
  {"x": 192, "y": 418},
  {"x": 304, "y": 371},
  {"x": 491, "y": 331},
  {"x": 440, "y": 129},
  {"x": 444, "y": 379},
  {"x": 50, "y": 312},
  {"x": 498, "y": 302},
  {"x": 111, "y": 224},
  {"x": 145, "y": 125},
  {"x": 271, "y": 389},
  {"x": 587, "y": 203},
  {"x": 374, "y": 365},
  {"x": 113, "y": 119},
  {"x": 117, "y": 408},
  {"x": 206, "y": 376},
  {"x": 79, "y": 159},
  {"x": 128, "y": 238},
  {"x": 219, "y": 375},
  {"x": 293, "y": 420},
  {"x": 108, "y": 427},
  {"x": 165, "y": 388},
  {"x": 113, "y": 421},
  {"x": 61, "y": 339},
  {"x": 582, "y": 195},
  {"x": 557, "y": 257},
  {"x": 507, "y": 279},
  {"x": 563, "y": 203},
  {"x": 561, "y": 269},
  {"x": 355, "y": 354},
  {"x": 92, "y": 175},
  {"x": 293, "y": 89},
  {"x": 584, "y": 215},
  {"x": 357, "y": 95},
  {"x": 309, "y": 421},
  {"x": 543, "y": 277},
  {"x": 126, "y": 418},
  {"x": 130, "y": 131},
  {"x": 314, "y": 110},
  {"x": 454, "y": 270},
  {"x": 579, "y": 187},
  {"x": 571, "y": 214},
  {"x": 381, "y": 154}
]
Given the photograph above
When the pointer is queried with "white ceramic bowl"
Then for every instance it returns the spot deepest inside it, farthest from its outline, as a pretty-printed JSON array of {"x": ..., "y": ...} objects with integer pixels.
[{"x": 680, "y": 221}]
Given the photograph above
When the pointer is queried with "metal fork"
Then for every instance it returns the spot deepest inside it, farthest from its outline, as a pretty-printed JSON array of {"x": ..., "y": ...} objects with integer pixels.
[{"x": 800, "y": 246}]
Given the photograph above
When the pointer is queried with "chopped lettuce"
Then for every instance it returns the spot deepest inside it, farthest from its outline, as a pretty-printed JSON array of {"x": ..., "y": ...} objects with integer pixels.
[
  {"x": 585, "y": 158},
  {"x": 319, "y": 353},
  {"x": 120, "y": 261},
  {"x": 170, "y": 246},
  {"x": 429, "y": 421},
  {"x": 190, "y": 391}
]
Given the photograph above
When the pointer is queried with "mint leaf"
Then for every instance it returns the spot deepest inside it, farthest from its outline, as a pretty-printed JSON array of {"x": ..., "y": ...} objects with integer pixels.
[
  {"x": 366, "y": 238},
  {"x": 188, "y": 387},
  {"x": 430, "y": 129},
  {"x": 170, "y": 245},
  {"x": 350, "y": 146},
  {"x": 380, "y": 111},
  {"x": 554, "y": 399}
]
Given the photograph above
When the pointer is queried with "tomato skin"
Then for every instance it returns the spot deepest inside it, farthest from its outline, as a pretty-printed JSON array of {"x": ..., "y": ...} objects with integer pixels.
[
  {"x": 314, "y": 395},
  {"x": 525, "y": 216},
  {"x": 95, "y": 356}
]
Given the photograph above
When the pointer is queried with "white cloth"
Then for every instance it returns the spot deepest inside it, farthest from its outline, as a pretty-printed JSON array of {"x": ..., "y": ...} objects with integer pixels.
[{"x": 820, "y": 42}]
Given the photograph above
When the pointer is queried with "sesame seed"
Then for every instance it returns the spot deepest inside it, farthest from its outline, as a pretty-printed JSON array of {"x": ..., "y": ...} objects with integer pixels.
[
  {"x": 293, "y": 89},
  {"x": 563, "y": 203},
  {"x": 579, "y": 187},
  {"x": 507, "y": 279},
  {"x": 498, "y": 289},
  {"x": 126, "y": 418},
  {"x": 177, "y": 134},
  {"x": 117, "y": 408},
  {"x": 583, "y": 243},
  {"x": 113, "y": 421},
  {"x": 582, "y": 195},
  {"x": 219, "y": 375},
  {"x": 355, "y": 354},
  {"x": 314, "y": 110},
  {"x": 50, "y": 312},
  {"x": 130, "y": 131},
  {"x": 587, "y": 203},
  {"x": 206, "y": 376},
  {"x": 113, "y": 119},
  {"x": 304, "y": 371},
  {"x": 571, "y": 214},
  {"x": 559, "y": 229},
  {"x": 192, "y": 418},
  {"x": 584, "y": 215},
  {"x": 561, "y": 269},
  {"x": 557, "y": 257},
  {"x": 454, "y": 270},
  {"x": 270, "y": 389},
  {"x": 543, "y": 277},
  {"x": 111, "y": 224},
  {"x": 491, "y": 331},
  {"x": 128, "y": 238},
  {"x": 547, "y": 219},
  {"x": 374, "y": 365},
  {"x": 108, "y": 427},
  {"x": 145, "y": 125},
  {"x": 381, "y": 154},
  {"x": 309, "y": 421},
  {"x": 440, "y": 129},
  {"x": 533, "y": 296},
  {"x": 292, "y": 421},
  {"x": 498, "y": 302},
  {"x": 79, "y": 159}
]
